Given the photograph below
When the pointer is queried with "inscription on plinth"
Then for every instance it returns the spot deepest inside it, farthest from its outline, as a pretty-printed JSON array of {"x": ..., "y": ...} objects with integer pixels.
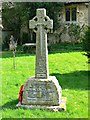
[{"x": 44, "y": 92}]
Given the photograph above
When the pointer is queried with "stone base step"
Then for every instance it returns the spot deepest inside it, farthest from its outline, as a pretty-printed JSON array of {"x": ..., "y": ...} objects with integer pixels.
[{"x": 61, "y": 107}]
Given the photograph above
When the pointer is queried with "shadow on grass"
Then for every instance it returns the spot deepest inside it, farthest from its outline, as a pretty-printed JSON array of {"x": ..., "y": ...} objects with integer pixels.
[
  {"x": 9, "y": 54},
  {"x": 53, "y": 49},
  {"x": 10, "y": 105},
  {"x": 75, "y": 80},
  {"x": 22, "y": 54}
]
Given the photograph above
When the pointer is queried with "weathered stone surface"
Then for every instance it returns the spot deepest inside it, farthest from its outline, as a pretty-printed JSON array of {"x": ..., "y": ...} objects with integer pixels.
[
  {"x": 61, "y": 107},
  {"x": 41, "y": 24},
  {"x": 12, "y": 44},
  {"x": 42, "y": 92},
  {"x": 62, "y": 34}
]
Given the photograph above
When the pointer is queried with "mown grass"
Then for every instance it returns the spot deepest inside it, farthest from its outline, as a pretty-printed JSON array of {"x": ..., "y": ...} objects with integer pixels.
[{"x": 71, "y": 70}]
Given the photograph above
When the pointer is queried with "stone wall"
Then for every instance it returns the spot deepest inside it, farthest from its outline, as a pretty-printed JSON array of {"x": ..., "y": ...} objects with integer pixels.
[
  {"x": 62, "y": 33},
  {"x": 89, "y": 15},
  {"x": 83, "y": 14}
]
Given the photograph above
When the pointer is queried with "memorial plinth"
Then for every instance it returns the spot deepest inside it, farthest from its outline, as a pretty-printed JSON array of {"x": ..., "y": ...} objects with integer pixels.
[{"x": 42, "y": 92}]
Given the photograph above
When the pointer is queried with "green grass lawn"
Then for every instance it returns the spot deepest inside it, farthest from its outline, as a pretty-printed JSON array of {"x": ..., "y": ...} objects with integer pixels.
[{"x": 71, "y": 70}]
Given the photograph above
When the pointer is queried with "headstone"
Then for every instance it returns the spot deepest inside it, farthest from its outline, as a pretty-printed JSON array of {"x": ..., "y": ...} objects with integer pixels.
[
  {"x": 12, "y": 44},
  {"x": 42, "y": 90},
  {"x": 12, "y": 47}
]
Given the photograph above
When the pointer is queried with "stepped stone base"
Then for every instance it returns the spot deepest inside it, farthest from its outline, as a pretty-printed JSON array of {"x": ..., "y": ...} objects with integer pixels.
[
  {"x": 61, "y": 107},
  {"x": 42, "y": 93}
]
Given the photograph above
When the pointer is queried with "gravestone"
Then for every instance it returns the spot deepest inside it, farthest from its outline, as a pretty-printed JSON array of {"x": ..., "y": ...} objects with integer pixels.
[
  {"x": 42, "y": 90},
  {"x": 12, "y": 47},
  {"x": 12, "y": 44}
]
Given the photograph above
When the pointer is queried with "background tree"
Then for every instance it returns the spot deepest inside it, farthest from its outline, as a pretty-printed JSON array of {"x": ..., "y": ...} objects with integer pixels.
[
  {"x": 12, "y": 18},
  {"x": 17, "y": 14},
  {"x": 86, "y": 42}
]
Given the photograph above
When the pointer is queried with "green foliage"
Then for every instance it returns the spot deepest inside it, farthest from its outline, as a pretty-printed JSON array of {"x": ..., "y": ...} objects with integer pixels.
[
  {"x": 11, "y": 20},
  {"x": 61, "y": 47},
  {"x": 74, "y": 31},
  {"x": 52, "y": 8},
  {"x": 5, "y": 43},
  {"x": 29, "y": 49},
  {"x": 86, "y": 40},
  {"x": 25, "y": 38},
  {"x": 86, "y": 43},
  {"x": 16, "y": 14},
  {"x": 70, "y": 68}
]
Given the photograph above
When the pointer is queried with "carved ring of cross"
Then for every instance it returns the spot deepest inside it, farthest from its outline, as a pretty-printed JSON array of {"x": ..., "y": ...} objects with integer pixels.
[{"x": 46, "y": 18}]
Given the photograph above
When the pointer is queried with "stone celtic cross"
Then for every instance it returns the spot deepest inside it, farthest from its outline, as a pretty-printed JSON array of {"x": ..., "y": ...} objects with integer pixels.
[
  {"x": 42, "y": 91},
  {"x": 41, "y": 24}
]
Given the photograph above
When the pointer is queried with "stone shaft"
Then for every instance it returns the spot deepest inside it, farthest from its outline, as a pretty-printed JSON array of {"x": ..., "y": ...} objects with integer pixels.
[{"x": 41, "y": 54}]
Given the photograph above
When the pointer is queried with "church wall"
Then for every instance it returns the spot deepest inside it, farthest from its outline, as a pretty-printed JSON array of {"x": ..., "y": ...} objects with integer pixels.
[{"x": 62, "y": 33}]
